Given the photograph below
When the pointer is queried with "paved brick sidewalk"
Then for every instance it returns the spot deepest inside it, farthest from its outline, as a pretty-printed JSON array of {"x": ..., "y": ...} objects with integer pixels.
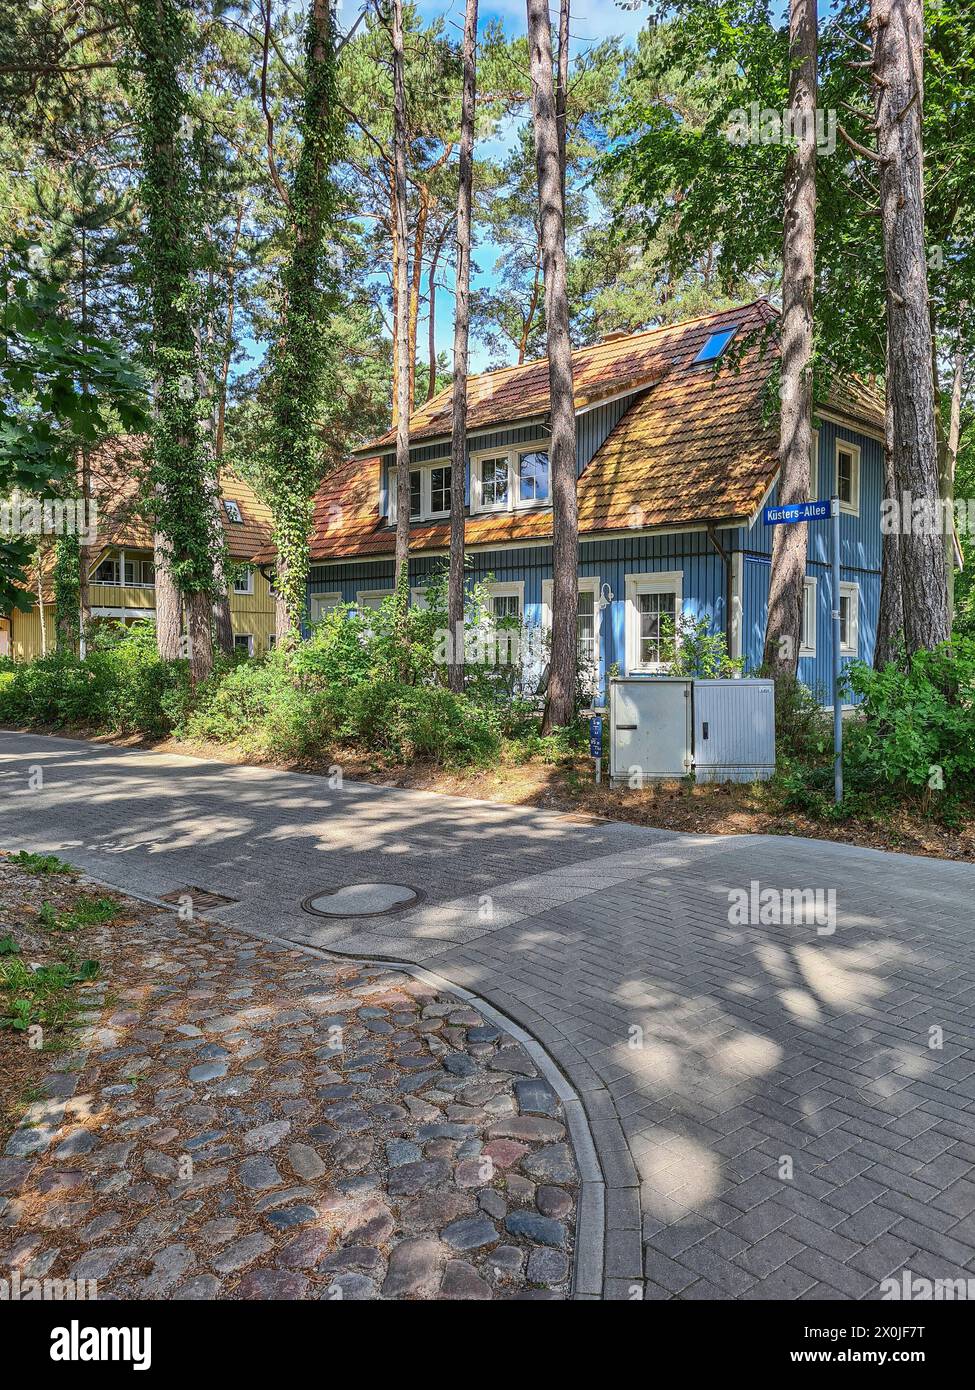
[{"x": 713, "y": 1059}]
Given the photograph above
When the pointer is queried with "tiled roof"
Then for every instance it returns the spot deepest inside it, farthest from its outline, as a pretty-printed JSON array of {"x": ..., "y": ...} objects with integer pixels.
[
  {"x": 125, "y": 517},
  {"x": 693, "y": 446}
]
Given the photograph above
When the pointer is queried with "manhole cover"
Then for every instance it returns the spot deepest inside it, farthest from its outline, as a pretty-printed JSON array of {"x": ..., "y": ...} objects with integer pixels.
[{"x": 362, "y": 900}]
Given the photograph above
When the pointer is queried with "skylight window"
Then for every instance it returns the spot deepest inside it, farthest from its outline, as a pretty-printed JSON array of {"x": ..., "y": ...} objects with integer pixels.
[
  {"x": 715, "y": 345},
  {"x": 233, "y": 511}
]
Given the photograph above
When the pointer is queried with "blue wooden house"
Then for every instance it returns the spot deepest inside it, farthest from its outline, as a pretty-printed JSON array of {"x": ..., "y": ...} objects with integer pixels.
[{"x": 677, "y": 456}]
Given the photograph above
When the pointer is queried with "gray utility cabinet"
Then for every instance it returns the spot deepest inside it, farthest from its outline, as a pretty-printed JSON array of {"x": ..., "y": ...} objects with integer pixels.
[{"x": 667, "y": 726}]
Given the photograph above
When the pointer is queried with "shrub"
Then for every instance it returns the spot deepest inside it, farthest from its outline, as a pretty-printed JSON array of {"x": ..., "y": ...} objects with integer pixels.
[{"x": 917, "y": 724}]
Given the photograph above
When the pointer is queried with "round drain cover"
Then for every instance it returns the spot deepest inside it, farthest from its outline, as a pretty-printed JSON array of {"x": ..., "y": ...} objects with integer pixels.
[{"x": 361, "y": 900}]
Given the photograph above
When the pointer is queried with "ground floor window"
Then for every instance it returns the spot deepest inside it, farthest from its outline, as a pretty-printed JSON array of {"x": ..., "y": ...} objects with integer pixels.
[
  {"x": 244, "y": 642},
  {"x": 849, "y": 619},
  {"x": 807, "y": 639},
  {"x": 653, "y": 606},
  {"x": 320, "y": 604}
]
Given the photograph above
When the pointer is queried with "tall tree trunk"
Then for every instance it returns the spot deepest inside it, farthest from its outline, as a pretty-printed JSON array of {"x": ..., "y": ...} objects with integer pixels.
[
  {"x": 890, "y": 621},
  {"x": 85, "y": 555},
  {"x": 223, "y": 630},
  {"x": 462, "y": 321},
  {"x": 560, "y": 706},
  {"x": 784, "y": 623},
  {"x": 951, "y": 463},
  {"x": 562, "y": 89},
  {"x": 169, "y": 623},
  {"x": 402, "y": 384},
  {"x": 898, "y": 33},
  {"x": 199, "y": 630},
  {"x": 300, "y": 356},
  {"x": 432, "y": 322}
]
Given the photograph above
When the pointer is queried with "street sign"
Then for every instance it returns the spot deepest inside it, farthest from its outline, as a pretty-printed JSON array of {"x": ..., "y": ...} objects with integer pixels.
[
  {"x": 796, "y": 511},
  {"x": 596, "y": 737}
]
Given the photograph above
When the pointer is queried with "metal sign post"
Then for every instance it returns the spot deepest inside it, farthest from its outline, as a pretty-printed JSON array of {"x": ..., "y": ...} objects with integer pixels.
[
  {"x": 837, "y": 633},
  {"x": 819, "y": 511},
  {"x": 596, "y": 744}
]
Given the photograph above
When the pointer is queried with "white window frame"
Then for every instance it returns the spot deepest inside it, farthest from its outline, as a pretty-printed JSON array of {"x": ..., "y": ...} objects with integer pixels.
[
  {"x": 852, "y": 508},
  {"x": 249, "y": 636},
  {"x": 426, "y": 512},
  {"x": 588, "y": 584},
  {"x": 229, "y": 502},
  {"x": 663, "y": 581},
  {"x": 807, "y": 639},
  {"x": 508, "y": 589},
  {"x": 814, "y": 468},
  {"x": 320, "y": 603},
  {"x": 362, "y": 595},
  {"x": 851, "y": 647},
  {"x": 248, "y": 578},
  {"x": 513, "y": 453}
]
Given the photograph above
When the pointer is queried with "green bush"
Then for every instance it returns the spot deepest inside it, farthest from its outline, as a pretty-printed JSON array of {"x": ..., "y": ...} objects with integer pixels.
[
  {"x": 917, "y": 721},
  {"x": 122, "y": 687}
]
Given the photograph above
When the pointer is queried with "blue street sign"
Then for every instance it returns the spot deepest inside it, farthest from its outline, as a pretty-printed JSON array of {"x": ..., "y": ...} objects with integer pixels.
[
  {"x": 796, "y": 511},
  {"x": 595, "y": 737}
]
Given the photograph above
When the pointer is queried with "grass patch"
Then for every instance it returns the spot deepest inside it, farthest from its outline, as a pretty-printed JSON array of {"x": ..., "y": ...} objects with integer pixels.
[
  {"x": 88, "y": 911},
  {"x": 44, "y": 996},
  {"x": 41, "y": 863}
]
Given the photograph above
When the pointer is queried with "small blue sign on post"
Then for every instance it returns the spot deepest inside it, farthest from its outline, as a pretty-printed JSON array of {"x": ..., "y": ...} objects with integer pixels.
[
  {"x": 596, "y": 744},
  {"x": 796, "y": 511}
]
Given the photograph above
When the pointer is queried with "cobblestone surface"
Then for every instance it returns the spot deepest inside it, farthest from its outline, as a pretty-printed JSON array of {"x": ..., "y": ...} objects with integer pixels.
[{"x": 257, "y": 1123}]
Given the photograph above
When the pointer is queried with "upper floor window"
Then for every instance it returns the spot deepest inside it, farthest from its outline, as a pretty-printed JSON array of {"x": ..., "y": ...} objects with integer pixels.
[
  {"x": 429, "y": 493},
  {"x": 244, "y": 582},
  {"x": 233, "y": 511},
  {"x": 115, "y": 569},
  {"x": 502, "y": 482},
  {"x": 848, "y": 476},
  {"x": 440, "y": 490}
]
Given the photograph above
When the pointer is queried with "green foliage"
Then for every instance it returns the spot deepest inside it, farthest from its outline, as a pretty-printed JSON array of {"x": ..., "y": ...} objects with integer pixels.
[
  {"x": 41, "y": 863},
  {"x": 86, "y": 911},
  {"x": 121, "y": 687},
  {"x": 803, "y": 728},
  {"x": 918, "y": 721},
  {"x": 44, "y": 996},
  {"x": 694, "y": 649}
]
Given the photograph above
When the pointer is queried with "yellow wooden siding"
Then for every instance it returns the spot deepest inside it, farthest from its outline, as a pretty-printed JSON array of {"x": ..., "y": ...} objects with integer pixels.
[
  {"x": 253, "y": 614},
  {"x": 250, "y": 615}
]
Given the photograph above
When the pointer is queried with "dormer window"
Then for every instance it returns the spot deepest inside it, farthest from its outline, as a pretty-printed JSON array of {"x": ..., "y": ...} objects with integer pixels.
[
  {"x": 715, "y": 346},
  {"x": 429, "y": 493},
  {"x": 233, "y": 511},
  {"x": 509, "y": 481}
]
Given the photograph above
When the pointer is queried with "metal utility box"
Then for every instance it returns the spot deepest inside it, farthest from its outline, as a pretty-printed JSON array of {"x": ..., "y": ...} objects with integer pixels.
[
  {"x": 667, "y": 726},
  {"x": 734, "y": 730},
  {"x": 651, "y": 729}
]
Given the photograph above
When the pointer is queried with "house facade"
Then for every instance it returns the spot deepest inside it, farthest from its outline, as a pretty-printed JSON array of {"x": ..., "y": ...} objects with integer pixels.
[
  {"x": 677, "y": 456},
  {"x": 121, "y": 570}
]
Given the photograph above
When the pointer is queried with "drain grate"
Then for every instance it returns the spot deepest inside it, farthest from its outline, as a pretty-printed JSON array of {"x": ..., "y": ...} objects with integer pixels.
[
  {"x": 362, "y": 900},
  {"x": 200, "y": 897}
]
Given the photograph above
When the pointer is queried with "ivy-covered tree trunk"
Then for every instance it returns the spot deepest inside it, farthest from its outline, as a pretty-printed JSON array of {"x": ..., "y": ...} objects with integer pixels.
[
  {"x": 462, "y": 323},
  {"x": 300, "y": 356},
  {"x": 898, "y": 69},
  {"x": 560, "y": 705},
  {"x": 169, "y": 615},
  {"x": 181, "y": 464},
  {"x": 67, "y": 566},
  {"x": 784, "y": 623},
  {"x": 401, "y": 385}
]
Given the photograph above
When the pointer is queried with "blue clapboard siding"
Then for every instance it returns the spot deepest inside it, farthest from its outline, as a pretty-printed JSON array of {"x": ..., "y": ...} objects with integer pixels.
[
  {"x": 592, "y": 429},
  {"x": 860, "y": 544}
]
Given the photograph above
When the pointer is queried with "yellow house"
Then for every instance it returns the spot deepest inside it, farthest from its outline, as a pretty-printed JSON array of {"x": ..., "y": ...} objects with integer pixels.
[{"x": 121, "y": 575}]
